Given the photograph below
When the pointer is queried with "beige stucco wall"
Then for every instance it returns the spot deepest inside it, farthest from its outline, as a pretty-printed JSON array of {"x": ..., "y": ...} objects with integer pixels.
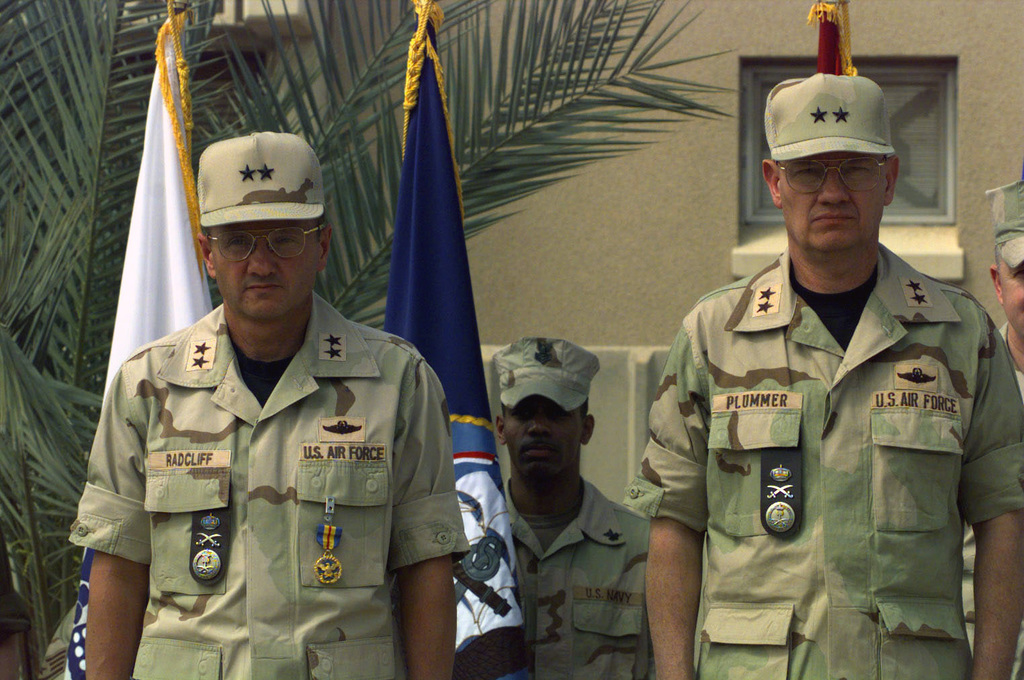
[{"x": 616, "y": 255}]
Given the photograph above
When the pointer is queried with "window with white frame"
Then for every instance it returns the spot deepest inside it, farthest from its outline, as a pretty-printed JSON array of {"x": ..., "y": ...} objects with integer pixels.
[{"x": 921, "y": 97}]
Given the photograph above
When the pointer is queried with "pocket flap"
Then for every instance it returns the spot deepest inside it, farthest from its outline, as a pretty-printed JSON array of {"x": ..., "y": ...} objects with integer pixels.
[
  {"x": 748, "y": 624},
  {"x": 607, "y": 618},
  {"x": 187, "y": 489},
  {"x": 917, "y": 429},
  {"x": 357, "y": 483},
  {"x": 163, "y": 659},
  {"x": 369, "y": 659},
  {"x": 754, "y": 429},
  {"x": 922, "y": 618}
]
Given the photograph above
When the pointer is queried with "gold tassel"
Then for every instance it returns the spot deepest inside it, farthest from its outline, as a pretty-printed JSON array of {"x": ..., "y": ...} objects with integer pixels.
[
  {"x": 838, "y": 12},
  {"x": 182, "y": 137},
  {"x": 419, "y": 48}
]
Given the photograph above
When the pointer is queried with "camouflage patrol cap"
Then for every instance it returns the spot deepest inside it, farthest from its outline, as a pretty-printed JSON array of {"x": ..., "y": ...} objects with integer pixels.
[
  {"x": 552, "y": 368},
  {"x": 1008, "y": 222},
  {"x": 823, "y": 113},
  {"x": 263, "y": 176}
]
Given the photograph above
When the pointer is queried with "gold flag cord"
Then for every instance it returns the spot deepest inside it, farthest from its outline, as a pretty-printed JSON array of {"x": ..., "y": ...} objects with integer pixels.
[
  {"x": 172, "y": 29},
  {"x": 420, "y": 48},
  {"x": 838, "y": 12},
  {"x": 472, "y": 420}
]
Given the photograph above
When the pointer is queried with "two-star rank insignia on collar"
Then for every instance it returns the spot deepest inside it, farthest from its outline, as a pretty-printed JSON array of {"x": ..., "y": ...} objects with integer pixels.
[
  {"x": 332, "y": 347},
  {"x": 915, "y": 293},
  {"x": 202, "y": 351},
  {"x": 766, "y": 301},
  {"x": 612, "y": 535}
]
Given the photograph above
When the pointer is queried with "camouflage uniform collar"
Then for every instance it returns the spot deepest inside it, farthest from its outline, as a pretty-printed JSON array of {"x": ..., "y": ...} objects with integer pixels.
[
  {"x": 768, "y": 300},
  {"x": 596, "y": 520},
  {"x": 333, "y": 348}
]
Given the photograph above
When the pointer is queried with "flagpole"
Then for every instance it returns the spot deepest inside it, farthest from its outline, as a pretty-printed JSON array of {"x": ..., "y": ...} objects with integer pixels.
[{"x": 430, "y": 303}]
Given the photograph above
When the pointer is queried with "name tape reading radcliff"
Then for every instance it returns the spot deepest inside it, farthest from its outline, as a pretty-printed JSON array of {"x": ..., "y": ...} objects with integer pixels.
[{"x": 167, "y": 460}]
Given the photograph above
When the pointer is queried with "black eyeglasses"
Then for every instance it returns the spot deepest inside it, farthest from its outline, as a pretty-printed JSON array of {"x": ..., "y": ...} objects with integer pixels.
[
  {"x": 858, "y": 174},
  {"x": 235, "y": 246}
]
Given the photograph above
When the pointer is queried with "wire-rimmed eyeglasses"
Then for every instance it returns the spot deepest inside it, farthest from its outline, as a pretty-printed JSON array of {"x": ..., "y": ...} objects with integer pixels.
[
  {"x": 858, "y": 174},
  {"x": 236, "y": 246}
]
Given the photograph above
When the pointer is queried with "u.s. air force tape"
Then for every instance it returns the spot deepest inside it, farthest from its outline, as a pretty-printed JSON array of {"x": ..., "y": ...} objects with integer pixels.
[
  {"x": 781, "y": 491},
  {"x": 211, "y": 537}
]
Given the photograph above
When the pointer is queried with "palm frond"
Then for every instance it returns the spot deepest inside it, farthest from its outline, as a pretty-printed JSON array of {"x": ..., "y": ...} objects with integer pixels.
[
  {"x": 560, "y": 84},
  {"x": 74, "y": 84}
]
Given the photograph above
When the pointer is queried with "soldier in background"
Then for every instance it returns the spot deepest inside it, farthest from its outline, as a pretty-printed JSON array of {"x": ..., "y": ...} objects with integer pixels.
[
  {"x": 822, "y": 431},
  {"x": 1008, "y": 278},
  {"x": 580, "y": 558},
  {"x": 261, "y": 479}
]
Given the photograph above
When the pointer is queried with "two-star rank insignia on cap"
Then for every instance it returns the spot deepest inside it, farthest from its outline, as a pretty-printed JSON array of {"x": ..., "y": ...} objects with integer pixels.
[
  {"x": 249, "y": 173},
  {"x": 841, "y": 115},
  {"x": 766, "y": 301},
  {"x": 819, "y": 115},
  {"x": 332, "y": 347},
  {"x": 612, "y": 535},
  {"x": 202, "y": 352},
  {"x": 915, "y": 293}
]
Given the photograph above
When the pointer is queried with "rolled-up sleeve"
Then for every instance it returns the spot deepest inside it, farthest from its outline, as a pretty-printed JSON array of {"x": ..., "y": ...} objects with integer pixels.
[
  {"x": 672, "y": 479},
  {"x": 111, "y": 517},
  {"x": 427, "y": 522},
  {"x": 992, "y": 475}
]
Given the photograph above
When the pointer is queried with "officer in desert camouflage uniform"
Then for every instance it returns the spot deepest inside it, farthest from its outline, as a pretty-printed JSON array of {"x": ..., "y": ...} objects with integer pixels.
[
  {"x": 260, "y": 480},
  {"x": 822, "y": 431},
  {"x": 580, "y": 558},
  {"x": 1008, "y": 278}
]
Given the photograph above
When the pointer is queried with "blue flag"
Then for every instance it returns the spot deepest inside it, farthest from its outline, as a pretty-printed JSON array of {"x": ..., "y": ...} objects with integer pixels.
[{"x": 430, "y": 303}]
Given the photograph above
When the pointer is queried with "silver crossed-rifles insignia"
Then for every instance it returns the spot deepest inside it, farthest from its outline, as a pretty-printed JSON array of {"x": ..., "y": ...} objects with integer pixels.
[
  {"x": 208, "y": 538},
  {"x": 776, "y": 490}
]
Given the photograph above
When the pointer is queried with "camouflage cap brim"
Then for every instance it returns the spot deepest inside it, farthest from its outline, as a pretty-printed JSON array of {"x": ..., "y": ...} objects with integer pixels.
[
  {"x": 260, "y": 212},
  {"x": 567, "y": 398}
]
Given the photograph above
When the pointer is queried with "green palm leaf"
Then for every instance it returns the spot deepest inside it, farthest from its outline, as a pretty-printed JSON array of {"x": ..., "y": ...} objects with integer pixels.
[
  {"x": 560, "y": 85},
  {"x": 74, "y": 85}
]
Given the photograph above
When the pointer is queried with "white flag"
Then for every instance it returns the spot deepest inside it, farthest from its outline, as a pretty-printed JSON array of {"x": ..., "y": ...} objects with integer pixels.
[{"x": 162, "y": 286}]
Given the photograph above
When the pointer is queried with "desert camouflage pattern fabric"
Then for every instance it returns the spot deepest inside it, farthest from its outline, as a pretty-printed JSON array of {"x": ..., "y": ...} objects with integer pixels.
[
  {"x": 824, "y": 113},
  {"x": 583, "y": 599},
  {"x": 969, "y": 552},
  {"x": 358, "y": 415},
  {"x": 918, "y": 421}
]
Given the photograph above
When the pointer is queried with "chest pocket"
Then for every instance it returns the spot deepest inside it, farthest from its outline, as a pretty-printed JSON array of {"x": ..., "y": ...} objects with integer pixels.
[
  {"x": 917, "y": 457},
  {"x": 172, "y": 495},
  {"x": 361, "y": 492},
  {"x": 736, "y": 441},
  {"x": 606, "y": 637}
]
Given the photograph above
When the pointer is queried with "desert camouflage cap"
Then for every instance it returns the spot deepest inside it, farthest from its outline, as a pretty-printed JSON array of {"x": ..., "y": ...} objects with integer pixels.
[
  {"x": 549, "y": 367},
  {"x": 823, "y": 113},
  {"x": 1008, "y": 222},
  {"x": 263, "y": 176}
]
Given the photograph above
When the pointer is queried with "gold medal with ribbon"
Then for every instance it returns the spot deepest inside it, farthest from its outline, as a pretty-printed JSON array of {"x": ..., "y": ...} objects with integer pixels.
[{"x": 327, "y": 569}]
